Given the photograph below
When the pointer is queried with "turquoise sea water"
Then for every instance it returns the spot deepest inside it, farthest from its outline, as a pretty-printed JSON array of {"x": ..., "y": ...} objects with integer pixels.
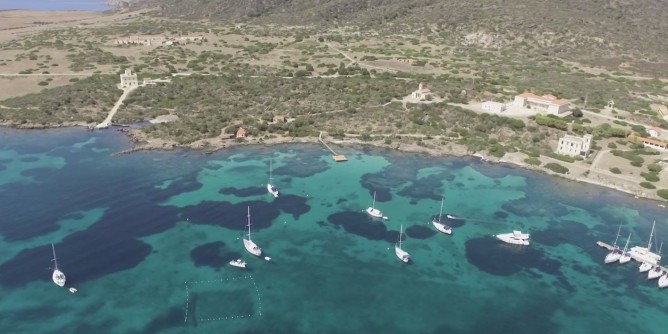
[
  {"x": 91, "y": 5},
  {"x": 146, "y": 238}
]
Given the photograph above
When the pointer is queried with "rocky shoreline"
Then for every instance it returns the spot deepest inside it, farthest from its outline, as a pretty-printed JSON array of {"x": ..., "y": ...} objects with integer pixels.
[{"x": 141, "y": 142}]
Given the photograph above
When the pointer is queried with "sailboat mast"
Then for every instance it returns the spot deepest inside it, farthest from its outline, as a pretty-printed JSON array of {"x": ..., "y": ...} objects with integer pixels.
[
  {"x": 649, "y": 244},
  {"x": 440, "y": 212},
  {"x": 373, "y": 204},
  {"x": 249, "y": 223},
  {"x": 401, "y": 232},
  {"x": 54, "y": 256},
  {"x": 627, "y": 242},
  {"x": 618, "y": 230}
]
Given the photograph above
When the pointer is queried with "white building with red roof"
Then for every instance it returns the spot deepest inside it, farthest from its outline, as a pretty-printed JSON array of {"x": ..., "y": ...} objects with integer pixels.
[{"x": 548, "y": 104}]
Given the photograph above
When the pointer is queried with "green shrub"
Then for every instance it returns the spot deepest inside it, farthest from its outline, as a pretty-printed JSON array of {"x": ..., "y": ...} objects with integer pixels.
[
  {"x": 497, "y": 150},
  {"x": 663, "y": 193},
  {"x": 615, "y": 170},
  {"x": 612, "y": 145},
  {"x": 557, "y": 168},
  {"x": 647, "y": 185},
  {"x": 532, "y": 161},
  {"x": 551, "y": 122},
  {"x": 562, "y": 157},
  {"x": 651, "y": 177},
  {"x": 654, "y": 168}
]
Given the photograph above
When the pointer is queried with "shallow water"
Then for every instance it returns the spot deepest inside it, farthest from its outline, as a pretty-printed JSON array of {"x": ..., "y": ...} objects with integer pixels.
[{"x": 146, "y": 238}]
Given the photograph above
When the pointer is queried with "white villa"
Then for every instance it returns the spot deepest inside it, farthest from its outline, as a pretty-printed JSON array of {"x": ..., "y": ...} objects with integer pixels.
[
  {"x": 654, "y": 132},
  {"x": 493, "y": 106},
  {"x": 422, "y": 92},
  {"x": 547, "y": 103},
  {"x": 129, "y": 79},
  {"x": 574, "y": 146}
]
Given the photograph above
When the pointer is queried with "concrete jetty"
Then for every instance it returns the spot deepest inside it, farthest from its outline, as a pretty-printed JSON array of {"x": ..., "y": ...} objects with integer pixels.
[{"x": 337, "y": 157}]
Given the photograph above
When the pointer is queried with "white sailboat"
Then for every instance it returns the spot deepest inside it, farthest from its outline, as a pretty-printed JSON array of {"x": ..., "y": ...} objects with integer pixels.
[
  {"x": 372, "y": 211},
  {"x": 615, "y": 253},
  {"x": 656, "y": 271},
  {"x": 663, "y": 281},
  {"x": 239, "y": 263},
  {"x": 515, "y": 238},
  {"x": 270, "y": 187},
  {"x": 57, "y": 276},
  {"x": 645, "y": 255},
  {"x": 626, "y": 257},
  {"x": 401, "y": 254},
  {"x": 439, "y": 225},
  {"x": 251, "y": 247}
]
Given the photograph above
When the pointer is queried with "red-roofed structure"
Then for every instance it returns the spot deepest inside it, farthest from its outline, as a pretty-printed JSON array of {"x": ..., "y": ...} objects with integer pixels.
[{"x": 547, "y": 103}]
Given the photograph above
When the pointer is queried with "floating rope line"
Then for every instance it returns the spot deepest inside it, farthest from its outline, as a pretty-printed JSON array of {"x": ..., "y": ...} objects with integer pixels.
[
  {"x": 187, "y": 303},
  {"x": 222, "y": 280},
  {"x": 259, "y": 302}
]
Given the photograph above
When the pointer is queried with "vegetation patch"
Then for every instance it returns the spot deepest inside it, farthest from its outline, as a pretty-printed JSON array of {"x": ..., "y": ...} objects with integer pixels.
[{"x": 555, "y": 167}]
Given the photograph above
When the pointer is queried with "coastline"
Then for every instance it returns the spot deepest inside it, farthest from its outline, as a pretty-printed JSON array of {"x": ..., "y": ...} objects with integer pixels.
[
  {"x": 141, "y": 142},
  {"x": 515, "y": 159}
]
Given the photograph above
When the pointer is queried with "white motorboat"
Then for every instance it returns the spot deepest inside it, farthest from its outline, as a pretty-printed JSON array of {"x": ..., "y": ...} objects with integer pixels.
[
  {"x": 626, "y": 256},
  {"x": 238, "y": 263},
  {"x": 615, "y": 253},
  {"x": 73, "y": 290},
  {"x": 372, "y": 211},
  {"x": 515, "y": 238},
  {"x": 655, "y": 272},
  {"x": 401, "y": 254},
  {"x": 270, "y": 187},
  {"x": 439, "y": 225},
  {"x": 646, "y": 255},
  {"x": 663, "y": 281},
  {"x": 57, "y": 276},
  {"x": 251, "y": 247},
  {"x": 644, "y": 267}
]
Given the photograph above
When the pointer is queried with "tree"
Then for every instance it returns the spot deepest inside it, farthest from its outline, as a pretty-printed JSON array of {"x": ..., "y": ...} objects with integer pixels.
[{"x": 577, "y": 112}]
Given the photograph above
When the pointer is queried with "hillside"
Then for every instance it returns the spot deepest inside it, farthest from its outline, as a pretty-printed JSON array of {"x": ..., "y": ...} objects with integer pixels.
[{"x": 605, "y": 31}]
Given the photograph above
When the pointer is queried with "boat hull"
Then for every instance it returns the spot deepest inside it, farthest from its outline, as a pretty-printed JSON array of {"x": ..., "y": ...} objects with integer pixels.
[
  {"x": 58, "y": 277},
  {"x": 624, "y": 259},
  {"x": 272, "y": 190},
  {"x": 663, "y": 281},
  {"x": 442, "y": 227},
  {"x": 644, "y": 267},
  {"x": 654, "y": 274},
  {"x": 613, "y": 256},
  {"x": 642, "y": 254},
  {"x": 238, "y": 263},
  {"x": 514, "y": 239},
  {"x": 402, "y": 255},
  {"x": 374, "y": 213},
  {"x": 252, "y": 248}
]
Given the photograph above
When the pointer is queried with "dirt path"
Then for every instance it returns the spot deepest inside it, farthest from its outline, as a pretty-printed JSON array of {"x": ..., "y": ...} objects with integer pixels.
[
  {"x": 354, "y": 61},
  {"x": 107, "y": 121}
]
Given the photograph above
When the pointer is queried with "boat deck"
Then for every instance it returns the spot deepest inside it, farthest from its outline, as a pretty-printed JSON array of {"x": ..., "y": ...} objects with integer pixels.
[{"x": 610, "y": 248}]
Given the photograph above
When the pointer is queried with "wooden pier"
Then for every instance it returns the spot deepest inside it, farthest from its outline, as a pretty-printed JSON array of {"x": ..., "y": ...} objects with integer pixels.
[{"x": 337, "y": 157}]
